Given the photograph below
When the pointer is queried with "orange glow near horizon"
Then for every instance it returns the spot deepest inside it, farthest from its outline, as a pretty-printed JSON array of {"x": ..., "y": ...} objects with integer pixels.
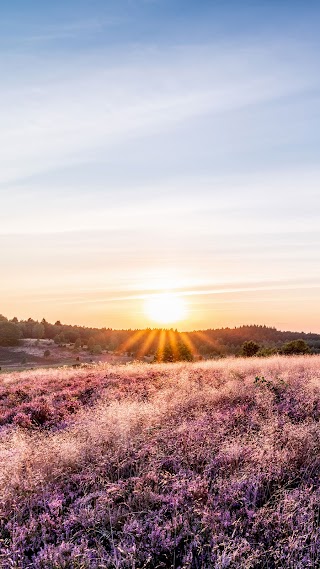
[
  {"x": 147, "y": 343},
  {"x": 140, "y": 341},
  {"x": 287, "y": 305},
  {"x": 162, "y": 342},
  {"x": 126, "y": 346},
  {"x": 187, "y": 340},
  {"x": 173, "y": 343}
]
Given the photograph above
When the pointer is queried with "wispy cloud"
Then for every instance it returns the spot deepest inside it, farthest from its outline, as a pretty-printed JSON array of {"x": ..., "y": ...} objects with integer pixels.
[
  {"x": 225, "y": 290},
  {"x": 221, "y": 206},
  {"x": 117, "y": 164},
  {"x": 36, "y": 35},
  {"x": 63, "y": 114}
]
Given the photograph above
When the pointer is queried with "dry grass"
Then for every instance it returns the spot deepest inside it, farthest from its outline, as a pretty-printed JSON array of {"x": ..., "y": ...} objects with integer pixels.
[{"x": 169, "y": 465}]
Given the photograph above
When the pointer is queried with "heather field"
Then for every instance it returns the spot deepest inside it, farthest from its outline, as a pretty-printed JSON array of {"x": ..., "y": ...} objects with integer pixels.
[{"x": 195, "y": 465}]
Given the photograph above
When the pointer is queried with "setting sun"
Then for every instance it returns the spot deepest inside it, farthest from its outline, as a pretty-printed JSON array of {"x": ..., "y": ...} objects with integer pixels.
[{"x": 165, "y": 308}]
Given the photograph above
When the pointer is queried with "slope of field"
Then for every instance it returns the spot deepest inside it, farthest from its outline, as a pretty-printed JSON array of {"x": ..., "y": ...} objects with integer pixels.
[
  {"x": 211, "y": 464},
  {"x": 30, "y": 354}
]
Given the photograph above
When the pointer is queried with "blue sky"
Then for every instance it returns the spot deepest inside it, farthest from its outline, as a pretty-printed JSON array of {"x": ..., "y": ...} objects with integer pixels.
[{"x": 153, "y": 145}]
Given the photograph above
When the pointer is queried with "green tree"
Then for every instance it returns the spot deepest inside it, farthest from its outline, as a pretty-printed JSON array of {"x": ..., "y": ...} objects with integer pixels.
[
  {"x": 77, "y": 344},
  {"x": 174, "y": 353},
  {"x": 9, "y": 333},
  {"x": 38, "y": 331},
  {"x": 185, "y": 353},
  {"x": 59, "y": 339},
  {"x": 249, "y": 349},
  {"x": 295, "y": 347},
  {"x": 164, "y": 355}
]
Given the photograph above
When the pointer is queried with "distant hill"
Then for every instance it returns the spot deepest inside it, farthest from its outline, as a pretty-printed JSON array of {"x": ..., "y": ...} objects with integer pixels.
[
  {"x": 233, "y": 338},
  {"x": 211, "y": 342}
]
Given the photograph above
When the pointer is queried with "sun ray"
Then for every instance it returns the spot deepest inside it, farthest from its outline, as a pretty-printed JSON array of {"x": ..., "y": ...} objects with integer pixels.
[
  {"x": 143, "y": 350},
  {"x": 205, "y": 338},
  {"x": 187, "y": 340},
  {"x": 133, "y": 339},
  {"x": 173, "y": 344},
  {"x": 161, "y": 344}
]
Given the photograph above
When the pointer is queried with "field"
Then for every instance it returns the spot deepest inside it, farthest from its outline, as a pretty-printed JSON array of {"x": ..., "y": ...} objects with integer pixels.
[
  {"x": 196, "y": 465},
  {"x": 30, "y": 354}
]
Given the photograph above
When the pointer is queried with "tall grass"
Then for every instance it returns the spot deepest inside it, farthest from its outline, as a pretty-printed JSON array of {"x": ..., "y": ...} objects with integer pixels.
[{"x": 213, "y": 464}]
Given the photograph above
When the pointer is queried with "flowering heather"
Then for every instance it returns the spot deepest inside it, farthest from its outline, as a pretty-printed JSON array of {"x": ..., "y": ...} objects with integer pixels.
[{"x": 211, "y": 464}]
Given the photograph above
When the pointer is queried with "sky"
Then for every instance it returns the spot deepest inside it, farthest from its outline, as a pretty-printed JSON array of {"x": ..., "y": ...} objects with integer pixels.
[{"x": 150, "y": 146}]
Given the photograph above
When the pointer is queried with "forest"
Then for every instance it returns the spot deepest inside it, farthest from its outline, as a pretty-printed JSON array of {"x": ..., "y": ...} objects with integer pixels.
[{"x": 211, "y": 343}]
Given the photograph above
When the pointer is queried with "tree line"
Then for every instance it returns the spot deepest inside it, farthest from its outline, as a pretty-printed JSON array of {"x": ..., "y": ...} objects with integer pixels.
[{"x": 175, "y": 345}]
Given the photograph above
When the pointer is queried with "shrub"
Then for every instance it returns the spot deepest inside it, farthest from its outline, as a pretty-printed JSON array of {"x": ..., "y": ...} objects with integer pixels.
[
  {"x": 96, "y": 349},
  {"x": 23, "y": 420},
  {"x": 40, "y": 413},
  {"x": 295, "y": 347},
  {"x": 267, "y": 352},
  {"x": 59, "y": 339},
  {"x": 249, "y": 349}
]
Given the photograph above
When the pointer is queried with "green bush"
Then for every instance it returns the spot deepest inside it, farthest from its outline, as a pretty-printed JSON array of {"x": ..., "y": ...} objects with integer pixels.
[
  {"x": 96, "y": 349},
  {"x": 249, "y": 349},
  {"x": 267, "y": 352},
  {"x": 295, "y": 347}
]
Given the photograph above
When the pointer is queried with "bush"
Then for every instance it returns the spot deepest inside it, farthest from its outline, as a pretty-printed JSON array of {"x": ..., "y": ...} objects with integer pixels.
[
  {"x": 23, "y": 420},
  {"x": 295, "y": 347},
  {"x": 91, "y": 343},
  {"x": 59, "y": 339},
  {"x": 96, "y": 349},
  {"x": 40, "y": 414},
  {"x": 267, "y": 352},
  {"x": 249, "y": 349}
]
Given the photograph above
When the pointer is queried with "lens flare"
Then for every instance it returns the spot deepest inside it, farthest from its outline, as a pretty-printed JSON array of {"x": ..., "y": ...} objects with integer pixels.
[{"x": 165, "y": 308}]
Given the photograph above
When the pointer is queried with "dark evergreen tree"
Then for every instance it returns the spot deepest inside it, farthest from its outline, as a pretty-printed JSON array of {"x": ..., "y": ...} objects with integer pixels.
[{"x": 249, "y": 349}]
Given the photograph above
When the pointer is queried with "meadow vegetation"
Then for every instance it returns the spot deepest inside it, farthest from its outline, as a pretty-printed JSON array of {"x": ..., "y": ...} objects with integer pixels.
[{"x": 179, "y": 465}]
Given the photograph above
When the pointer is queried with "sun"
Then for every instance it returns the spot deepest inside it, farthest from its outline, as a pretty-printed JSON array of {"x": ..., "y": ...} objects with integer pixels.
[{"x": 165, "y": 308}]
